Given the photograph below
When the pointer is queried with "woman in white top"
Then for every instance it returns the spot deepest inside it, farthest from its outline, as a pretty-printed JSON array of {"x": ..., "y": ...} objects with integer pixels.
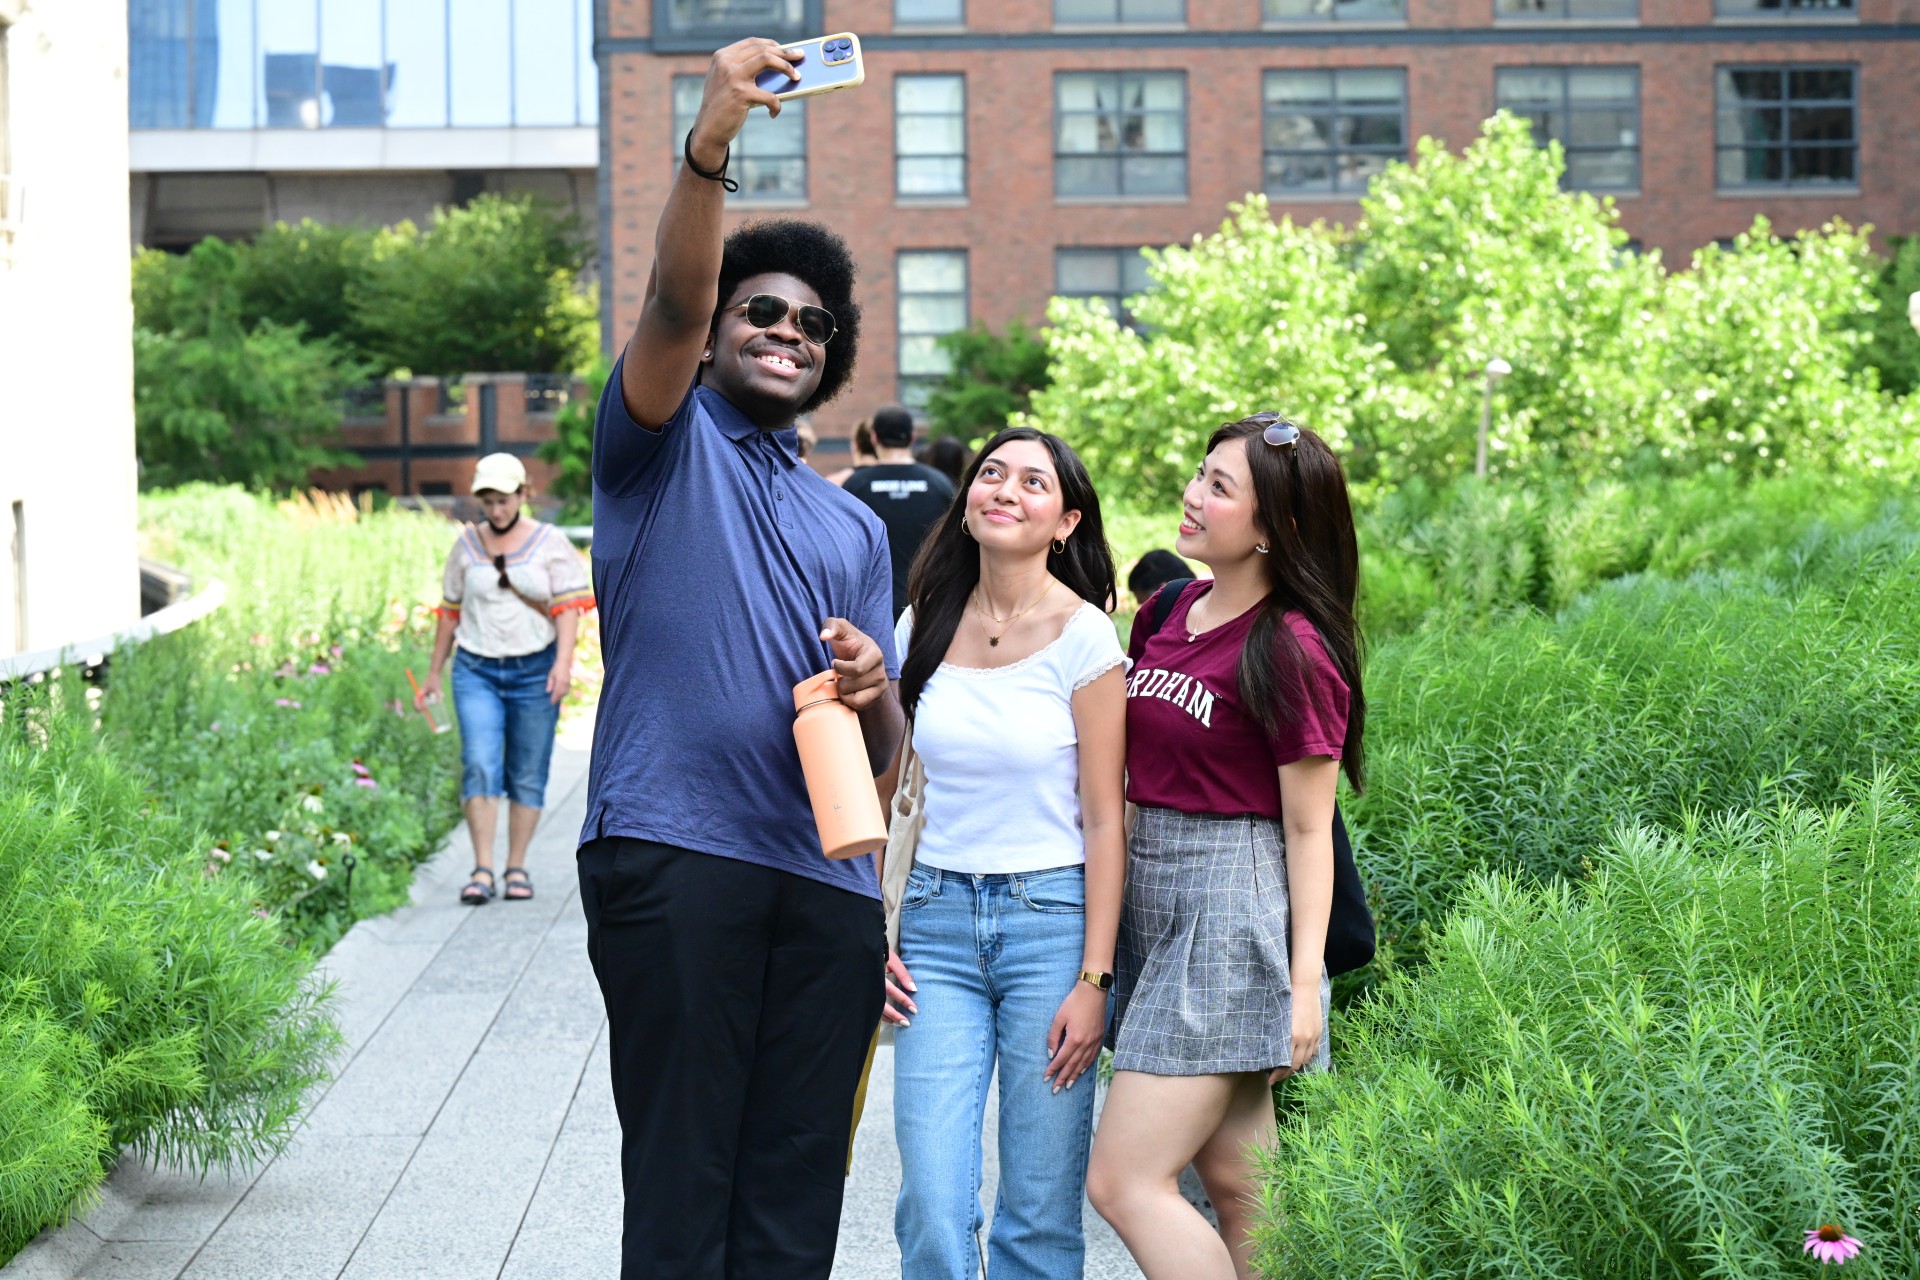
[
  {"x": 1015, "y": 682},
  {"x": 512, "y": 597}
]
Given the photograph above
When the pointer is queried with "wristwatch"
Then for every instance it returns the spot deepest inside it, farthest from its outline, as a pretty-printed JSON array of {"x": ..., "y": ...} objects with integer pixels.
[{"x": 1104, "y": 981}]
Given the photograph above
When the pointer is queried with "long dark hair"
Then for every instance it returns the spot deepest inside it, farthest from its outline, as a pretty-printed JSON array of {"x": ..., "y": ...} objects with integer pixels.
[
  {"x": 1313, "y": 566},
  {"x": 947, "y": 568}
]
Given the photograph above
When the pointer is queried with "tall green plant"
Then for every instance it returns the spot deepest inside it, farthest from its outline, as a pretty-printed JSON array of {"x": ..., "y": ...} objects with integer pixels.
[
  {"x": 571, "y": 449},
  {"x": 994, "y": 376},
  {"x": 1671, "y": 1071}
]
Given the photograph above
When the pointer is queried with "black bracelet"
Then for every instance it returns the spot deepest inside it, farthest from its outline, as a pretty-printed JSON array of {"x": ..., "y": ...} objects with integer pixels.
[{"x": 718, "y": 175}]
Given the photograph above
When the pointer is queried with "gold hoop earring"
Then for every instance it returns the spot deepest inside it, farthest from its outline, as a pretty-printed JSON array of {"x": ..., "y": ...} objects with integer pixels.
[
  {"x": 1261, "y": 547},
  {"x": 963, "y": 527},
  {"x": 1059, "y": 546}
]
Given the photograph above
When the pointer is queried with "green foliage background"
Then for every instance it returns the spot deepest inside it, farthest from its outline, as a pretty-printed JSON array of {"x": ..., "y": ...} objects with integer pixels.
[{"x": 1375, "y": 337}]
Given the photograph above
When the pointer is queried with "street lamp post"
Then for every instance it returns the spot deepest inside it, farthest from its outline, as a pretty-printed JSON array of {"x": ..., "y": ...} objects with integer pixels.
[{"x": 1497, "y": 369}]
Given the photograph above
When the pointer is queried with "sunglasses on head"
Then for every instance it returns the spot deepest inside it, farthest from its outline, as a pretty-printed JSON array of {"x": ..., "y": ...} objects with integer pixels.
[
  {"x": 1278, "y": 432},
  {"x": 765, "y": 310}
]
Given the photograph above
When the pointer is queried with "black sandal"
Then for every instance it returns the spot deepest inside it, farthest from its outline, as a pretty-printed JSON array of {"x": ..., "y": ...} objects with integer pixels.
[
  {"x": 475, "y": 894},
  {"x": 524, "y": 882}
]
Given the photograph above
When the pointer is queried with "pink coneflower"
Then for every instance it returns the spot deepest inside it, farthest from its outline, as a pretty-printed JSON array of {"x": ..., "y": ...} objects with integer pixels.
[
  {"x": 369, "y": 783},
  {"x": 1830, "y": 1244},
  {"x": 319, "y": 669},
  {"x": 287, "y": 702},
  {"x": 361, "y": 771},
  {"x": 336, "y": 651}
]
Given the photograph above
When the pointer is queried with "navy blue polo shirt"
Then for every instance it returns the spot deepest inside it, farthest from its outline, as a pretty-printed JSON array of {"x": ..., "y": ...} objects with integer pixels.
[{"x": 717, "y": 555}]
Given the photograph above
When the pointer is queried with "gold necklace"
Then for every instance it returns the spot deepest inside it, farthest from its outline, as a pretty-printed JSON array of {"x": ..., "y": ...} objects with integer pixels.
[{"x": 993, "y": 641}]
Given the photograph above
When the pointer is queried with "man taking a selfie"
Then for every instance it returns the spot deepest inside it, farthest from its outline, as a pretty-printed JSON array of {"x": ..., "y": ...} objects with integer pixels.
[{"x": 742, "y": 970}]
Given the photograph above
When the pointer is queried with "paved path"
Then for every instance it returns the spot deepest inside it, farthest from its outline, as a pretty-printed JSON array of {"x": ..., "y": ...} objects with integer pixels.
[{"x": 470, "y": 1132}]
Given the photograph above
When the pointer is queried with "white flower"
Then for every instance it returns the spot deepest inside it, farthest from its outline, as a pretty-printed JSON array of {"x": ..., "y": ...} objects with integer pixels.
[
  {"x": 263, "y": 855},
  {"x": 312, "y": 804},
  {"x": 221, "y": 855},
  {"x": 341, "y": 837},
  {"x": 317, "y": 871},
  {"x": 273, "y": 837}
]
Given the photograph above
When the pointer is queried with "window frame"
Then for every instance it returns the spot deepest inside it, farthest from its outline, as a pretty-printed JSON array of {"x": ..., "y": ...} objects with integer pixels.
[
  {"x": 669, "y": 38},
  {"x": 966, "y": 138},
  {"x": 922, "y": 24},
  {"x": 1122, "y": 195},
  {"x": 1331, "y": 18},
  {"x": 1790, "y": 11},
  {"x": 1121, "y": 313},
  {"x": 740, "y": 154},
  {"x": 1566, "y": 108},
  {"x": 1119, "y": 18},
  {"x": 1333, "y": 150},
  {"x": 1785, "y": 104},
  {"x": 1566, "y": 14},
  {"x": 901, "y": 378}
]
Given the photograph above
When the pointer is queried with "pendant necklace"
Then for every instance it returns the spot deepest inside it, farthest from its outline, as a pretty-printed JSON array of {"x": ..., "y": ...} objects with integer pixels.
[{"x": 993, "y": 641}]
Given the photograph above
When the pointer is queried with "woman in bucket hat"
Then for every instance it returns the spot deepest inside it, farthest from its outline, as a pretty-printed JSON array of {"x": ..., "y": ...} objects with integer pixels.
[{"x": 512, "y": 597}]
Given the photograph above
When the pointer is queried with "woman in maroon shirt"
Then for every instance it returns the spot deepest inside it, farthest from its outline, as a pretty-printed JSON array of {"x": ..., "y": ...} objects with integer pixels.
[{"x": 1241, "y": 710}]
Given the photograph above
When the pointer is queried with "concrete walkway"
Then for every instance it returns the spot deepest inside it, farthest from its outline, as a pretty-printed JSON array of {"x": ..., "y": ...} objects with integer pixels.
[{"x": 469, "y": 1133}]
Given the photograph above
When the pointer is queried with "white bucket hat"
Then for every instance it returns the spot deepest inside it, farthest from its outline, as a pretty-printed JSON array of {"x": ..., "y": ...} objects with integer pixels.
[{"x": 499, "y": 471}]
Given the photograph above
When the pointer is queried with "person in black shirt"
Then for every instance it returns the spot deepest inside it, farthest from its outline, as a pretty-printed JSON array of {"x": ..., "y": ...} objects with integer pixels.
[
  {"x": 907, "y": 496},
  {"x": 1154, "y": 570}
]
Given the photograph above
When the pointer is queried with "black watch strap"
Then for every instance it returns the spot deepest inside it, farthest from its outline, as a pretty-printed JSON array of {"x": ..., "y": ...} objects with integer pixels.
[{"x": 715, "y": 175}]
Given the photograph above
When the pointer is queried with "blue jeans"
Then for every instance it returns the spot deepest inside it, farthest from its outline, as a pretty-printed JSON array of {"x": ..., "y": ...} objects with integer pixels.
[
  {"x": 506, "y": 725},
  {"x": 993, "y": 957}
]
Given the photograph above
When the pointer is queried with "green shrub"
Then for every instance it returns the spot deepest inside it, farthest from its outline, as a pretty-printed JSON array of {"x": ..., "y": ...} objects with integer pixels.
[
  {"x": 571, "y": 449},
  {"x": 489, "y": 287},
  {"x": 142, "y": 1002},
  {"x": 1376, "y": 336},
  {"x": 253, "y": 721},
  {"x": 1509, "y": 747},
  {"x": 994, "y": 376},
  {"x": 1669, "y": 1071}
]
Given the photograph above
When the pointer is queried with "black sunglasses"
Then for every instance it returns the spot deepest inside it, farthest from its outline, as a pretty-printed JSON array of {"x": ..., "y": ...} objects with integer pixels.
[
  {"x": 765, "y": 310},
  {"x": 500, "y": 563}
]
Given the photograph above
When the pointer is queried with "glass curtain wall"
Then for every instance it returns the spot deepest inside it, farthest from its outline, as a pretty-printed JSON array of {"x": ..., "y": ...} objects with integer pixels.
[{"x": 359, "y": 64}]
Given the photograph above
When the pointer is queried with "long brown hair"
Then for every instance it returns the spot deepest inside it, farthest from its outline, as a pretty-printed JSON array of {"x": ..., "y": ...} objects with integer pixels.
[
  {"x": 1313, "y": 566},
  {"x": 947, "y": 568}
]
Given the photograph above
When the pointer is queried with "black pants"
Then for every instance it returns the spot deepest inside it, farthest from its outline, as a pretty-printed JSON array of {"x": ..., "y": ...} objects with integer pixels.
[{"x": 740, "y": 1002}]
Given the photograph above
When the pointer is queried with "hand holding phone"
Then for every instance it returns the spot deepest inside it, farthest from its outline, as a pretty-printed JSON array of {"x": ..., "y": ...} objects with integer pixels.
[
  {"x": 732, "y": 90},
  {"x": 827, "y": 63}
]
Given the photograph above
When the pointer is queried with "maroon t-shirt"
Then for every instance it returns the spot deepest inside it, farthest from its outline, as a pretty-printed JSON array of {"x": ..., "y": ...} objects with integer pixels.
[{"x": 1191, "y": 744}]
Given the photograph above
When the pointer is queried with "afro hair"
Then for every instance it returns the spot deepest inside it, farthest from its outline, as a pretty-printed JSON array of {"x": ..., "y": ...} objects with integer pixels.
[{"x": 808, "y": 252}]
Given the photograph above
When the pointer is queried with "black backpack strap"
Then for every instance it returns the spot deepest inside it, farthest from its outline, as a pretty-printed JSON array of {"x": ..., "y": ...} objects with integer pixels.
[{"x": 1162, "y": 603}]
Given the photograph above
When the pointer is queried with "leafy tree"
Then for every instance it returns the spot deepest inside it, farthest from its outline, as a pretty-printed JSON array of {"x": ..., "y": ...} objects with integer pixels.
[
  {"x": 491, "y": 286},
  {"x": 571, "y": 449},
  {"x": 994, "y": 376},
  {"x": 1893, "y": 348},
  {"x": 1376, "y": 337},
  {"x": 304, "y": 275},
  {"x": 215, "y": 399}
]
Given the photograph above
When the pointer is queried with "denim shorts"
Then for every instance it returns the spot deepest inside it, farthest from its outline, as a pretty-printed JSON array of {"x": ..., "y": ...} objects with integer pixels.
[{"x": 506, "y": 725}]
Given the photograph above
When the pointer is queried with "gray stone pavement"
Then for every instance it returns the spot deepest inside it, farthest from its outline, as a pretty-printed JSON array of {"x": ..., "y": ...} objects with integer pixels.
[{"x": 469, "y": 1132}]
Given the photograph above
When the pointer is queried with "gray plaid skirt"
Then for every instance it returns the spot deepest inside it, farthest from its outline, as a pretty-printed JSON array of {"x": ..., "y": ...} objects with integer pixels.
[{"x": 1202, "y": 981}]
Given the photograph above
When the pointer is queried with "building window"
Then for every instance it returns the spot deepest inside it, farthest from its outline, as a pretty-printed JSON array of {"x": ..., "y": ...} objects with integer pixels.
[
  {"x": 1336, "y": 10},
  {"x": 930, "y": 135},
  {"x": 1783, "y": 8},
  {"x": 769, "y": 158},
  {"x": 1786, "y": 127},
  {"x": 928, "y": 13},
  {"x": 1120, "y": 134},
  {"x": 359, "y": 64},
  {"x": 704, "y": 25},
  {"x": 1114, "y": 12},
  {"x": 1564, "y": 10},
  {"x": 932, "y": 293},
  {"x": 1332, "y": 131},
  {"x": 1107, "y": 276},
  {"x": 1592, "y": 112}
]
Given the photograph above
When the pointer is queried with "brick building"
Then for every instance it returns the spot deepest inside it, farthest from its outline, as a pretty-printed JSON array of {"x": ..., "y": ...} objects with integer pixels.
[{"x": 1003, "y": 151}]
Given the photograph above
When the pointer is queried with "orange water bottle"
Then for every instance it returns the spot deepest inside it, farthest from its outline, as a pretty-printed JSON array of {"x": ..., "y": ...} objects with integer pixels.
[{"x": 833, "y": 756}]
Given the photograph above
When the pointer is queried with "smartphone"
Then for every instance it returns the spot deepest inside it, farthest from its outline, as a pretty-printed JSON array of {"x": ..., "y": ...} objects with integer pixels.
[{"x": 831, "y": 62}]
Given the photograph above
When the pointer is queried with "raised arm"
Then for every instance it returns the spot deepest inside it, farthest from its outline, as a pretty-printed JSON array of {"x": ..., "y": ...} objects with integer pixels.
[{"x": 677, "y": 314}]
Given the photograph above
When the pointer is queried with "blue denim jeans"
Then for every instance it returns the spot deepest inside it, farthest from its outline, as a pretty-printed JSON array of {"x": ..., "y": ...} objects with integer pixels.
[
  {"x": 993, "y": 957},
  {"x": 506, "y": 725}
]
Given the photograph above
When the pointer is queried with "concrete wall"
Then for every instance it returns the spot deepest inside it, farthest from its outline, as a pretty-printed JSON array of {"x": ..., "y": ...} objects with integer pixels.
[{"x": 66, "y": 319}]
